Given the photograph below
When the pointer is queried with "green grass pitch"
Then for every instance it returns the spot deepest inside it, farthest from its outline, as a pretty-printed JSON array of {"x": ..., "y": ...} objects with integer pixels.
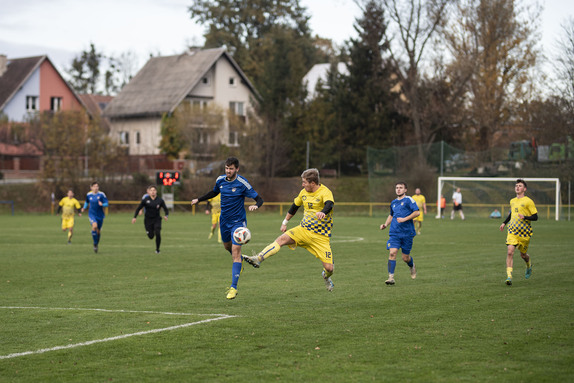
[{"x": 127, "y": 314}]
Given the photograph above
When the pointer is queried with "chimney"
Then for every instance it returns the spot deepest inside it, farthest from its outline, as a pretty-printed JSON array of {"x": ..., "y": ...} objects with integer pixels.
[{"x": 3, "y": 64}]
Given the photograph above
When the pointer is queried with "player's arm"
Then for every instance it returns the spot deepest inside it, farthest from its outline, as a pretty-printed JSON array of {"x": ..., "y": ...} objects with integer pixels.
[
  {"x": 387, "y": 222},
  {"x": 326, "y": 209},
  {"x": 290, "y": 213},
  {"x": 208, "y": 208},
  {"x": 506, "y": 221},
  {"x": 86, "y": 203},
  {"x": 258, "y": 202},
  {"x": 414, "y": 214},
  {"x": 210, "y": 194},
  {"x": 104, "y": 201},
  {"x": 533, "y": 217},
  {"x": 165, "y": 209},
  {"x": 140, "y": 206}
]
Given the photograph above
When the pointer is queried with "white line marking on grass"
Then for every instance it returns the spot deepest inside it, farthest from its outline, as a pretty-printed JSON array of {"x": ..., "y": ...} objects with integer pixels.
[
  {"x": 351, "y": 239},
  {"x": 105, "y": 310},
  {"x": 154, "y": 331}
]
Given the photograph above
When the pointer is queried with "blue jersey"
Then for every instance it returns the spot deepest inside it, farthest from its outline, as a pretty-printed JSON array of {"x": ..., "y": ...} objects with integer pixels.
[
  {"x": 233, "y": 195},
  {"x": 401, "y": 208},
  {"x": 96, "y": 211}
]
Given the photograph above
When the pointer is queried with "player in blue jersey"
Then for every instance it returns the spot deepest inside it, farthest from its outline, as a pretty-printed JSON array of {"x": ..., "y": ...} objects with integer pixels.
[
  {"x": 402, "y": 230},
  {"x": 97, "y": 201},
  {"x": 233, "y": 189}
]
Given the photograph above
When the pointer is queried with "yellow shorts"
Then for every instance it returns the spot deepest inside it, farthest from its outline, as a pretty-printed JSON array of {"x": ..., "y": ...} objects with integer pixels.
[
  {"x": 419, "y": 217},
  {"x": 317, "y": 244},
  {"x": 67, "y": 223},
  {"x": 521, "y": 243},
  {"x": 215, "y": 218}
]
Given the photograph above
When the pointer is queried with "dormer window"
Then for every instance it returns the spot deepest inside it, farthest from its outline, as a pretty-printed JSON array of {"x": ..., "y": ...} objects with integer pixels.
[{"x": 232, "y": 82}]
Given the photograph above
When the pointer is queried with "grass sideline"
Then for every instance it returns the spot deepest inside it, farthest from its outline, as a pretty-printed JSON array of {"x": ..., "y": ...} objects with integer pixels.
[{"x": 456, "y": 322}]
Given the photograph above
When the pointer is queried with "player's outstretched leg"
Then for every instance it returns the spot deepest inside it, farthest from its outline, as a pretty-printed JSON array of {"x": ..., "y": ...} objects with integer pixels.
[
  {"x": 327, "y": 278},
  {"x": 253, "y": 260}
]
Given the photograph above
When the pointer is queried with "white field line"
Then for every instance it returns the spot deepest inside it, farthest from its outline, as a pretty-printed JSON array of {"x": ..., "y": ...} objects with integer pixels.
[
  {"x": 339, "y": 239},
  {"x": 69, "y": 346}
]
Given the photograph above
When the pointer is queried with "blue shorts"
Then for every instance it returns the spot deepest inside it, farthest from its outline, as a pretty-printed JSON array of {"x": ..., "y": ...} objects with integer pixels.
[
  {"x": 403, "y": 243},
  {"x": 227, "y": 229},
  {"x": 99, "y": 221}
]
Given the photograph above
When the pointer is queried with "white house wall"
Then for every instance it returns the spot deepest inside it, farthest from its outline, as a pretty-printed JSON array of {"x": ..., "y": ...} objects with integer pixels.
[
  {"x": 150, "y": 134},
  {"x": 223, "y": 93},
  {"x": 15, "y": 109}
]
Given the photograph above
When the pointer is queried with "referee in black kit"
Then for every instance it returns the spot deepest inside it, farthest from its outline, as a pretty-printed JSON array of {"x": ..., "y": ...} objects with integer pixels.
[{"x": 152, "y": 220}]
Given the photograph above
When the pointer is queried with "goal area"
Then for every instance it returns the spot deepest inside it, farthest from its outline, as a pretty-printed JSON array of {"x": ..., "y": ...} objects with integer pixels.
[{"x": 496, "y": 193}]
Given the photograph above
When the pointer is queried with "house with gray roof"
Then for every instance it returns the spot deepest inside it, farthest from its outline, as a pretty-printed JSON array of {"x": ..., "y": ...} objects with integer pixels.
[{"x": 202, "y": 77}]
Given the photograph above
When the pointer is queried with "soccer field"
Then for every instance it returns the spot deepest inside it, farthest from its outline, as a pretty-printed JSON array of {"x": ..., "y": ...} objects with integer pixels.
[{"x": 127, "y": 314}]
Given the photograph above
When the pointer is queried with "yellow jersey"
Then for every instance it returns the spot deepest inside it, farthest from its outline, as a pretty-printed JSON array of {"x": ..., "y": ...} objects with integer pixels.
[
  {"x": 68, "y": 205},
  {"x": 313, "y": 203},
  {"x": 215, "y": 204},
  {"x": 517, "y": 226},
  {"x": 420, "y": 200}
]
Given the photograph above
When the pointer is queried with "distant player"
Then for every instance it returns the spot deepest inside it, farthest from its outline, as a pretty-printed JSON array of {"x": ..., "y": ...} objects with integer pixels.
[
  {"x": 67, "y": 206},
  {"x": 422, "y": 204},
  {"x": 97, "y": 201},
  {"x": 214, "y": 208},
  {"x": 457, "y": 204},
  {"x": 152, "y": 204},
  {"x": 522, "y": 212},
  {"x": 402, "y": 230},
  {"x": 314, "y": 232},
  {"x": 233, "y": 189}
]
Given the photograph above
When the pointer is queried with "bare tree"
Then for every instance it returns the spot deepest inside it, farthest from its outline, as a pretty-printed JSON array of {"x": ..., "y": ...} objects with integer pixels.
[
  {"x": 565, "y": 62},
  {"x": 498, "y": 38},
  {"x": 413, "y": 23}
]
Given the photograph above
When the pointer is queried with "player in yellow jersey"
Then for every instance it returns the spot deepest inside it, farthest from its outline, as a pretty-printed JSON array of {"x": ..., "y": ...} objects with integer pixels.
[
  {"x": 214, "y": 208},
  {"x": 422, "y": 204},
  {"x": 522, "y": 212},
  {"x": 66, "y": 206},
  {"x": 314, "y": 232}
]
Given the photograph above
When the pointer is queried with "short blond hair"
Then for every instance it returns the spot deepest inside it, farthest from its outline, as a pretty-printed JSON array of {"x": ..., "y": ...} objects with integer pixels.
[{"x": 311, "y": 175}]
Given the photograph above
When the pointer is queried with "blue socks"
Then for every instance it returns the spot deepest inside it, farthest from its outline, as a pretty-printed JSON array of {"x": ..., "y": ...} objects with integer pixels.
[
  {"x": 235, "y": 271},
  {"x": 391, "y": 266},
  {"x": 95, "y": 237},
  {"x": 411, "y": 262}
]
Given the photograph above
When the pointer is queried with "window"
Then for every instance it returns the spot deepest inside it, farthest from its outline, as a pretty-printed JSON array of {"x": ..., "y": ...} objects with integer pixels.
[
  {"x": 32, "y": 103},
  {"x": 205, "y": 81},
  {"x": 138, "y": 138},
  {"x": 237, "y": 108},
  {"x": 204, "y": 138},
  {"x": 233, "y": 138},
  {"x": 124, "y": 138},
  {"x": 232, "y": 82},
  {"x": 55, "y": 104}
]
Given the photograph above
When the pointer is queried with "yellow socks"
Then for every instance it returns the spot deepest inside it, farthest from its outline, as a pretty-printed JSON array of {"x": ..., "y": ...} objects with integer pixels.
[
  {"x": 528, "y": 265},
  {"x": 509, "y": 272},
  {"x": 270, "y": 250},
  {"x": 327, "y": 274}
]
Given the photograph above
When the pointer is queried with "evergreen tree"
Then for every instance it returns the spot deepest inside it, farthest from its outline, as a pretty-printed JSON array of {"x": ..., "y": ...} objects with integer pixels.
[{"x": 363, "y": 100}]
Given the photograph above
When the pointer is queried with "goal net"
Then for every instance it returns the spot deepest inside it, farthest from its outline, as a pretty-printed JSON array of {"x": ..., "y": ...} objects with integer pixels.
[{"x": 482, "y": 195}]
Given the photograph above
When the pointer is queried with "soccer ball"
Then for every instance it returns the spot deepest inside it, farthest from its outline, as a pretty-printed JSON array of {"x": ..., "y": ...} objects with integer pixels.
[{"x": 242, "y": 235}]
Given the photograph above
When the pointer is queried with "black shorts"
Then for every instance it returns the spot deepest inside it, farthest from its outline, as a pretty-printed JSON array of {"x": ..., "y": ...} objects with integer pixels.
[
  {"x": 457, "y": 207},
  {"x": 152, "y": 224}
]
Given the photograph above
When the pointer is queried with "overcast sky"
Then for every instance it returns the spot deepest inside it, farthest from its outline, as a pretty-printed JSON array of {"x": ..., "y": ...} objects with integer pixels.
[{"x": 63, "y": 28}]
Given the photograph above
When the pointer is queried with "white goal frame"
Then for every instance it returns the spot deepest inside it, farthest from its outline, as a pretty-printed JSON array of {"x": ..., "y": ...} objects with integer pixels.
[{"x": 441, "y": 181}]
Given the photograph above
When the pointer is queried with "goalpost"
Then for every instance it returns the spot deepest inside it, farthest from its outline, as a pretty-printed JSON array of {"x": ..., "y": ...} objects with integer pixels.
[{"x": 555, "y": 181}]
